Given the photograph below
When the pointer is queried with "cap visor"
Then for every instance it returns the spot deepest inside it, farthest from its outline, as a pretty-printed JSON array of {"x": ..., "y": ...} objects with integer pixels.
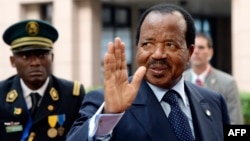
[{"x": 30, "y": 48}]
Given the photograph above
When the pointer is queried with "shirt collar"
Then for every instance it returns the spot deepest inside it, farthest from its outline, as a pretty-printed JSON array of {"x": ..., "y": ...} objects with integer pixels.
[
  {"x": 202, "y": 76},
  {"x": 179, "y": 87},
  {"x": 27, "y": 90}
]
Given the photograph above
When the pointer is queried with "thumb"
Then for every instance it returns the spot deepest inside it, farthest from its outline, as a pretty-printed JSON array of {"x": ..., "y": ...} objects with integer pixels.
[{"x": 138, "y": 76}]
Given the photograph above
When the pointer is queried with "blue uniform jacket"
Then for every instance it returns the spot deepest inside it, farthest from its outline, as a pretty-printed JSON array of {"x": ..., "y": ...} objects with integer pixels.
[{"x": 62, "y": 99}]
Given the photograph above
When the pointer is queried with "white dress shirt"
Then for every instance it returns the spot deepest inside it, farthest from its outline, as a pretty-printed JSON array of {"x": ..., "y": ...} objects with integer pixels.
[{"x": 27, "y": 91}]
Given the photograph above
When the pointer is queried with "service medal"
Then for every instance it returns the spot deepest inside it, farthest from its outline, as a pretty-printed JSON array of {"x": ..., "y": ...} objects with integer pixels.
[
  {"x": 60, "y": 130},
  {"x": 52, "y": 132},
  {"x": 52, "y": 120}
]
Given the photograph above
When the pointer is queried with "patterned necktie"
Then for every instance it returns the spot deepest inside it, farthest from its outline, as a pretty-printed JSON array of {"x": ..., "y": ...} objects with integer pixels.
[
  {"x": 198, "y": 82},
  {"x": 35, "y": 97},
  {"x": 177, "y": 118}
]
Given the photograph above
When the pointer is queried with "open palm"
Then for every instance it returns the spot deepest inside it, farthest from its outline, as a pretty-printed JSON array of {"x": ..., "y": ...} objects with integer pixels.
[{"x": 119, "y": 93}]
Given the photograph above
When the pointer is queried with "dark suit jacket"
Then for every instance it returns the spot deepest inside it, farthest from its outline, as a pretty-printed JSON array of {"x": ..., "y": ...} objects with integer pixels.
[
  {"x": 16, "y": 113},
  {"x": 145, "y": 120},
  {"x": 225, "y": 84}
]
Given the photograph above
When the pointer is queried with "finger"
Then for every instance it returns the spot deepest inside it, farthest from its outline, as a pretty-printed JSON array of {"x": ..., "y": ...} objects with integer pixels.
[
  {"x": 109, "y": 61},
  {"x": 118, "y": 53},
  {"x": 138, "y": 76},
  {"x": 111, "y": 48},
  {"x": 123, "y": 57},
  {"x": 111, "y": 54}
]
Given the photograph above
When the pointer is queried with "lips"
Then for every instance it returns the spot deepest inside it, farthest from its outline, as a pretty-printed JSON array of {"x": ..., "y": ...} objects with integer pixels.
[
  {"x": 35, "y": 73},
  {"x": 159, "y": 69}
]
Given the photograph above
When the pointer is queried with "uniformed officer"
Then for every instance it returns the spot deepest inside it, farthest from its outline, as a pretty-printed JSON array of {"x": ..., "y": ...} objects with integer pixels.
[{"x": 48, "y": 113}]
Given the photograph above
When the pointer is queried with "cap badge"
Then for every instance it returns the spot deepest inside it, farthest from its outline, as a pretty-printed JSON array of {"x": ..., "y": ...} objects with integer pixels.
[{"x": 32, "y": 28}]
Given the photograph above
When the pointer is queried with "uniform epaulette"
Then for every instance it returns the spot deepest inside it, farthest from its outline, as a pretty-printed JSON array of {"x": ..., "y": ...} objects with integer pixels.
[{"x": 76, "y": 88}]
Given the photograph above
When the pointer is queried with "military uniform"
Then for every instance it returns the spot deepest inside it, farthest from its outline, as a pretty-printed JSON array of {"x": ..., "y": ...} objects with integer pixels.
[
  {"x": 62, "y": 100},
  {"x": 60, "y": 103}
]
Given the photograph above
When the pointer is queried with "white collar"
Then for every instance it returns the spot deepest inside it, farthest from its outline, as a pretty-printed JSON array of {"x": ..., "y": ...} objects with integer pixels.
[
  {"x": 179, "y": 87},
  {"x": 27, "y": 90},
  {"x": 202, "y": 76}
]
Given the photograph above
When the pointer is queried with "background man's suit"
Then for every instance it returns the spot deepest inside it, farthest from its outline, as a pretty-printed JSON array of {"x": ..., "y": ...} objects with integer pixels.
[
  {"x": 225, "y": 84},
  {"x": 16, "y": 112},
  {"x": 145, "y": 120}
]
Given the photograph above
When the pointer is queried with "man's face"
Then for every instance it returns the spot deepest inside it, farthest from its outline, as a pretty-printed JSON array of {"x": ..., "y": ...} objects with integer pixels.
[
  {"x": 162, "y": 48},
  {"x": 33, "y": 66},
  {"x": 202, "y": 53}
]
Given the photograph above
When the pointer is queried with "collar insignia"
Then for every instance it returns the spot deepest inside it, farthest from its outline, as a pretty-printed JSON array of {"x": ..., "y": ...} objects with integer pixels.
[
  {"x": 54, "y": 94},
  {"x": 11, "y": 96}
]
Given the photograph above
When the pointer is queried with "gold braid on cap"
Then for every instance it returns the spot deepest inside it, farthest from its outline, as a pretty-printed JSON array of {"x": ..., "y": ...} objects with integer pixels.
[{"x": 47, "y": 43}]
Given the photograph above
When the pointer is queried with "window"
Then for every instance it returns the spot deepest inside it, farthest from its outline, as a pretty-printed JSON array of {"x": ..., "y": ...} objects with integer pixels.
[
  {"x": 46, "y": 12},
  {"x": 202, "y": 25},
  {"x": 116, "y": 22}
]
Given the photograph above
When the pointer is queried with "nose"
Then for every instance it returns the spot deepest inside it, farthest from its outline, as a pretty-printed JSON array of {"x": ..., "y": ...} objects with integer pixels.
[
  {"x": 196, "y": 49},
  {"x": 34, "y": 60},
  {"x": 159, "y": 51}
]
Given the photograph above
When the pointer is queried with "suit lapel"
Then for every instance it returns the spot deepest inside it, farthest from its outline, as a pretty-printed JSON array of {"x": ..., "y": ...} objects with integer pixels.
[
  {"x": 201, "y": 113},
  {"x": 211, "y": 79},
  {"x": 154, "y": 121}
]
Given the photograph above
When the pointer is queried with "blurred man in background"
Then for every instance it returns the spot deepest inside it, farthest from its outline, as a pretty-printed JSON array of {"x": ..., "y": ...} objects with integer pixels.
[{"x": 203, "y": 74}]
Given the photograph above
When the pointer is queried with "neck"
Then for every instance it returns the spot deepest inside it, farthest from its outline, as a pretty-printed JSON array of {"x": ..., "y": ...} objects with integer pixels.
[{"x": 200, "y": 69}]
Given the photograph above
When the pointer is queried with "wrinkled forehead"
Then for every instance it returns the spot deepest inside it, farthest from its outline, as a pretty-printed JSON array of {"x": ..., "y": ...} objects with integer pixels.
[
  {"x": 174, "y": 17},
  {"x": 164, "y": 23},
  {"x": 201, "y": 41}
]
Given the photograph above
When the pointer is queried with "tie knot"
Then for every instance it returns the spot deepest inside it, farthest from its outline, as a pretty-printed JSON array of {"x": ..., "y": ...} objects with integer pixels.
[
  {"x": 34, "y": 94},
  {"x": 198, "y": 82},
  {"x": 171, "y": 97},
  {"x": 35, "y": 97}
]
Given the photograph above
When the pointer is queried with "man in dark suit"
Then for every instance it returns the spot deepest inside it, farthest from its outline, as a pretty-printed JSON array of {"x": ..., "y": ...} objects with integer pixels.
[
  {"x": 212, "y": 78},
  {"x": 134, "y": 108},
  {"x": 48, "y": 113}
]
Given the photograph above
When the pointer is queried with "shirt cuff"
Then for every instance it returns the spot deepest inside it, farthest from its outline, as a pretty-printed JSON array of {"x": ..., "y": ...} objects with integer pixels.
[{"x": 102, "y": 125}]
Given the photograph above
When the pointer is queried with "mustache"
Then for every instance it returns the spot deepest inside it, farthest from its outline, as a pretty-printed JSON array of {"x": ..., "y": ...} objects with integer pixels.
[{"x": 159, "y": 62}]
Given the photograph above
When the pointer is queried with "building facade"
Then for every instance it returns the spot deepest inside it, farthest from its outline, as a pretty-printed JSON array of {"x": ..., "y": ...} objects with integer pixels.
[{"x": 86, "y": 26}]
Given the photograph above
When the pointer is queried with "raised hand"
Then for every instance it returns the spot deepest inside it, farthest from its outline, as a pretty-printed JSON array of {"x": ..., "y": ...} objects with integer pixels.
[{"x": 119, "y": 93}]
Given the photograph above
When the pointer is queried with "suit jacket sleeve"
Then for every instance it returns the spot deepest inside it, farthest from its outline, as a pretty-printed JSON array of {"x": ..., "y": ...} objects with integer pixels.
[{"x": 90, "y": 104}]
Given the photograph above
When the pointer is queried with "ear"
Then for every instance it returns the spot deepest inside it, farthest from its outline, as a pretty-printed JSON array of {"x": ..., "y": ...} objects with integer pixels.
[
  {"x": 12, "y": 61},
  {"x": 211, "y": 53},
  {"x": 52, "y": 57},
  {"x": 190, "y": 52}
]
